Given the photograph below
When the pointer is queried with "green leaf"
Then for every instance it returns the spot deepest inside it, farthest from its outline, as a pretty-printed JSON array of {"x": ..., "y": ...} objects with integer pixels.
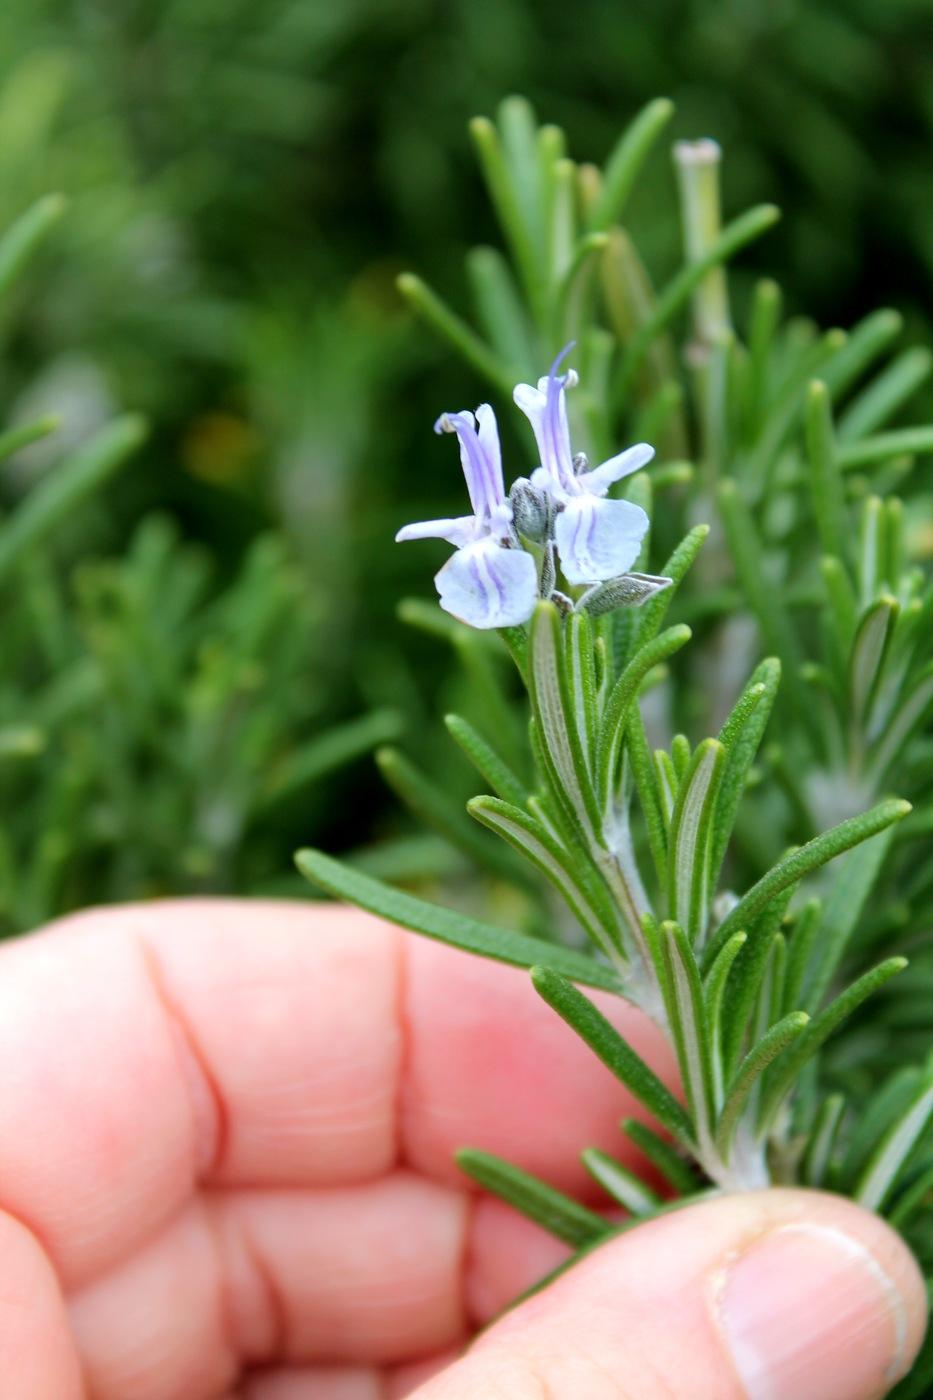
[
  {"x": 24, "y": 236},
  {"x": 452, "y": 328},
  {"x": 826, "y": 490},
  {"x": 623, "y": 695},
  {"x": 870, "y": 450},
  {"x": 437, "y": 809},
  {"x": 855, "y": 878},
  {"x": 499, "y": 309},
  {"x": 714, "y": 988},
  {"x": 310, "y": 762},
  {"x": 555, "y": 718},
  {"x": 749, "y": 985},
  {"x": 917, "y": 1194},
  {"x": 841, "y": 597},
  {"x": 876, "y": 1116},
  {"x": 580, "y": 672},
  {"x": 819, "y": 1030},
  {"x": 900, "y": 725},
  {"x": 818, "y": 1158},
  {"x": 741, "y": 736},
  {"x": 677, "y": 293},
  {"x": 863, "y": 344},
  {"x": 869, "y": 649},
  {"x": 649, "y": 797},
  {"x": 773, "y": 1043},
  {"x": 606, "y": 1043},
  {"x": 666, "y": 1158},
  {"x": 503, "y": 177},
  {"x": 16, "y": 438},
  {"x": 683, "y": 995},
  {"x": 654, "y": 611},
  {"x": 65, "y": 486},
  {"x": 620, "y": 1183},
  {"x": 626, "y": 160},
  {"x": 583, "y": 892},
  {"x": 448, "y": 926},
  {"x": 764, "y": 319},
  {"x": 879, "y": 1177},
  {"x": 688, "y": 849},
  {"x": 886, "y": 393},
  {"x": 486, "y": 761},
  {"x": 559, "y": 1214},
  {"x": 800, "y": 949},
  {"x": 802, "y": 862}
]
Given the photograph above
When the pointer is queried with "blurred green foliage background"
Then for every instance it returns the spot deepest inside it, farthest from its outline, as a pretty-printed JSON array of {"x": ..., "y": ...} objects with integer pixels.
[{"x": 244, "y": 181}]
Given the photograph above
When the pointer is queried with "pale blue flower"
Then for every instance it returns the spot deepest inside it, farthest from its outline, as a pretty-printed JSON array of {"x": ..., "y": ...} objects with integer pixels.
[
  {"x": 596, "y": 539},
  {"x": 489, "y": 581}
]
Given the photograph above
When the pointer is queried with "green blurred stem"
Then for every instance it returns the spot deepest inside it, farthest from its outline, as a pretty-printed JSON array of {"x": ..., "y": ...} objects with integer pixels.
[{"x": 697, "y": 164}]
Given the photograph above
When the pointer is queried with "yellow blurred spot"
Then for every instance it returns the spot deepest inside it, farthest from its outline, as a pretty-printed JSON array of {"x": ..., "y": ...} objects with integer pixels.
[{"x": 220, "y": 447}]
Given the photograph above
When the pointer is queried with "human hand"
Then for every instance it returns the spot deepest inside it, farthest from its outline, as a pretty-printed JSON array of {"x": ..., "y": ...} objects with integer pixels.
[{"x": 225, "y": 1170}]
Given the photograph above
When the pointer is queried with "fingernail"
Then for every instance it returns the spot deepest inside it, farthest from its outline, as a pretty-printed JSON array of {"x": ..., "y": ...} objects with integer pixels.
[{"x": 808, "y": 1312}]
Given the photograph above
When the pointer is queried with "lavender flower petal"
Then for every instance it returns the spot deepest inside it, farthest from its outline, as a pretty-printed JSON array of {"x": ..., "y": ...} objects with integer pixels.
[
  {"x": 458, "y": 531},
  {"x": 485, "y": 585},
  {"x": 598, "y": 539},
  {"x": 624, "y": 464}
]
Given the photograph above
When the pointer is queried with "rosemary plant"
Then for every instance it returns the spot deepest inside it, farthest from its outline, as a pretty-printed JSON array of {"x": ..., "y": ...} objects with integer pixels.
[{"x": 696, "y": 870}]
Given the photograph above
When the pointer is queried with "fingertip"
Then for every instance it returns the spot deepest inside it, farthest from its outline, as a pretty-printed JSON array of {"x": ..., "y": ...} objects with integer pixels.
[
  {"x": 490, "y": 1065},
  {"x": 35, "y": 1342}
]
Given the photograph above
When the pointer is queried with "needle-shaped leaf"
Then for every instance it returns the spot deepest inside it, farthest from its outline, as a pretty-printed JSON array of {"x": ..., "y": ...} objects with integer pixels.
[
  {"x": 448, "y": 926},
  {"x": 864, "y": 343},
  {"x": 886, "y": 393},
  {"x": 802, "y": 862},
  {"x": 856, "y": 876},
  {"x": 23, "y": 237},
  {"x": 818, "y": 1158},
  {"x": 485, "y": 760},
  {"x": 16, "y": 438},
  {"x": 624, "y": 694},
  {"x": 579, "y": 668},
  {"x": 646, "y": 785},
  {"x": 763, "y": 592},
  {"x": 606, "y": 1042},
  {"x": 560, "y": 1214},
  {"x": 686, "y": 1012},
  {"x": 561, "y": 744},
  {"x": 872, "y": 639},
  {"x": 676, "y": 294},
  {"x": 450, "y": 327},
  {"x": 655, "y": 610},
  {"x": 898, "y": 728},
  {"x": 672, "y": 1166},
  {"x": 688, "y": 847},
  {"x": 826, "y": 490},
  {"x": 799, "y": 952},
  {"x": 750, "y": 984},
  {"x": 714, "y": 988},
  {"x": 915, "y": 441},
  {"x": 620, "y": 1183},
  {"x": 626, "y": 159},
  {"x": 916, "y": 1195},
  {"x": 66, "y": 486},
  {"x": 584, "y": 893},
  {"x": 819, "y": 1030},
  {"x": 445, "y": 814},
  {"x": 741, "y": 736},
  {"x": 749, "y": 1072},
  {"x": 880, "y": 1175}
]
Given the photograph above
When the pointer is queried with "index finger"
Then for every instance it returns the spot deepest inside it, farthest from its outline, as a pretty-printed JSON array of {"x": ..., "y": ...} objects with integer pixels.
[{"x": 148, "y": 1049}]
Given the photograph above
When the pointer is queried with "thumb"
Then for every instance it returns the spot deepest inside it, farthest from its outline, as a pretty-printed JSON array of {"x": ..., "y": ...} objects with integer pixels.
[{"x": 769, "y": 1295}]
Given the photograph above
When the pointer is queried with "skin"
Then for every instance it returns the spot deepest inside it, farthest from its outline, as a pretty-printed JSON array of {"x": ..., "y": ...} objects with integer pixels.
[{"x": 226, "y": 1138}]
